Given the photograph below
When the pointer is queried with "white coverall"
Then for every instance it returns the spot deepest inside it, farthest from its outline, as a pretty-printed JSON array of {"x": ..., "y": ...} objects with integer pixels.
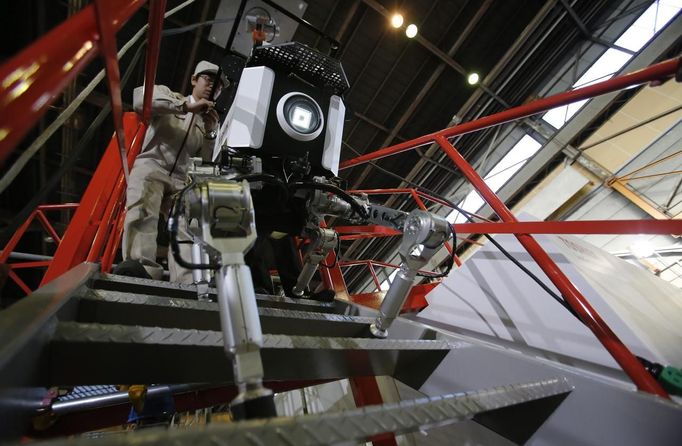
[{"x": 151, "y": 183}]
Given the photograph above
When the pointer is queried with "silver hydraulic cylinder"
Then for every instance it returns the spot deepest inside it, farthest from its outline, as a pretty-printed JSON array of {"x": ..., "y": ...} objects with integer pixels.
[
  {"x": 323, "y": 240},
  {"x": 423, "y": 235},
  {"x": 226, "y": 231},
  {"x": 201, "y": 277},
  {"x": 239, "y": 320}
]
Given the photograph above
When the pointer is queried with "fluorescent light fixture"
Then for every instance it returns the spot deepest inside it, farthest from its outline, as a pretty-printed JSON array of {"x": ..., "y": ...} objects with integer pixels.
[
  {"x": 411, "y": 30},
  {"x": 473, "y": 78},
  {"x": 397, "y": 20}
]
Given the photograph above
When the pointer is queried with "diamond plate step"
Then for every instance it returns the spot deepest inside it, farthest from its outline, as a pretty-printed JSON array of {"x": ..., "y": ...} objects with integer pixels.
[
  {"x": 134, "y": 285},
  {"x": 116, "y": 307},
  {"x": 345, "y": 426},
  {"x": 95, "y": 353}
]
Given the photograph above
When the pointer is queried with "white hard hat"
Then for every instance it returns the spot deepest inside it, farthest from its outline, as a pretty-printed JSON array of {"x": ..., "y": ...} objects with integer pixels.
[{"x": 207, "y": 67}]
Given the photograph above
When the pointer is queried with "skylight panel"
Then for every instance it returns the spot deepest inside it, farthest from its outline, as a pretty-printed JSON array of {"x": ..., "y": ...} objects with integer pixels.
[
  {"x": 385, "y": 285},
  {"x": 498, "y": 176},
  {"x": 655, "y": 18}
]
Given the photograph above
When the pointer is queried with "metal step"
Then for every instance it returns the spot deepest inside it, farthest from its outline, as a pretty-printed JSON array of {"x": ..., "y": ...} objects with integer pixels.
[
  {"x": 116, "y": 307},
  {"x": 85, "y": 353},
  {"x": 356, "y": 425},
  {"x": 137, "y": 286}
]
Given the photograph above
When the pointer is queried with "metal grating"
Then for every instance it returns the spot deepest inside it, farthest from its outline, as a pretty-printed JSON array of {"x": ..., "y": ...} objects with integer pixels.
[{"x": 312, "y": 66}]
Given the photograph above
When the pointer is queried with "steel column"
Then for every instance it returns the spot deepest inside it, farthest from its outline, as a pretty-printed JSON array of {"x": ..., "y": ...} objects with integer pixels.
[
  {"x": 634, "y": 369},
  {"x": 366, "y": 393}
]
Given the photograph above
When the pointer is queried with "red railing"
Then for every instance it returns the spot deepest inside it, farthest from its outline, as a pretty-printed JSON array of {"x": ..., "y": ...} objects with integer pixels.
[
  {"x": 657, "y": 72},
  {"x": 9, "y": 248},
  {"x": 574, "y": 298},
  {"x": 33, "y": 79}
]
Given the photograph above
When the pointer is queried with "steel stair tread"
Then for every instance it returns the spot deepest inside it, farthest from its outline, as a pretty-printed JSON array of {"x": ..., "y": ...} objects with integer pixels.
[
  {"x": 87, "y": 353},
  {"x": 148, "y": 287}
]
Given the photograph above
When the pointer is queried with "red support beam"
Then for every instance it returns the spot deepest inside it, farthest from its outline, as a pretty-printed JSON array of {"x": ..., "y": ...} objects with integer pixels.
[
  {"x": 20, "y": 282},
  {"x": 656, "y": 72},
  {"x": 156, "y": 11},
  {"x": 48, "y": 227},
  {"x": 665, "y": 227},
  {"x": 377, "y": 283},
  {"x": 57, "y": 207},
  {"x": 634, "y": 369},
  {"x": 366, "y": 393},
  {"x": 12, "y": 243},
  {"x": 32, "y": 80},
  {"x": 80, "y": 233},
  {"x": 105, "y": 12},
  {"x": 36, "y": 264},
  {"x": 415, "y": 301},
  {"x": 114, "y": 241}
]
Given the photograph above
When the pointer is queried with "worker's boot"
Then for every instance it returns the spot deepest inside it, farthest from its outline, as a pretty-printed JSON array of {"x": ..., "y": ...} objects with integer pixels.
[{"x": 131, "y": 268}]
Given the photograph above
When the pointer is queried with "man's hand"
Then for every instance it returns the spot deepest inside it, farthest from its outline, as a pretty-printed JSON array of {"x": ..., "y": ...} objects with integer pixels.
[
  {"x": 199, "y": 106},
  {"x": 210, "y": 120}
]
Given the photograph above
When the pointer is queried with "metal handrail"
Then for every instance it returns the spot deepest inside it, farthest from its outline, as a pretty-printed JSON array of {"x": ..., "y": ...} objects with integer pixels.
[{"x": 587, "y": 314}]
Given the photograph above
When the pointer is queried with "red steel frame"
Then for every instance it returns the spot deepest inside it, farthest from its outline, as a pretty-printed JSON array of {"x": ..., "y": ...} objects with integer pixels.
[
  {"x": 634, "y": 369},
  {"x": 38, "y": 213},
  {"x": 33, "y": 79}
]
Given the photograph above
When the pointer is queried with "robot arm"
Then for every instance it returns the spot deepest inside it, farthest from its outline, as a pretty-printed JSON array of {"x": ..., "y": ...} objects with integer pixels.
[
  {"x": 226, "y": 230},
  {"x": 323, "y": 240},
  {"x": 423, "y": 235}
]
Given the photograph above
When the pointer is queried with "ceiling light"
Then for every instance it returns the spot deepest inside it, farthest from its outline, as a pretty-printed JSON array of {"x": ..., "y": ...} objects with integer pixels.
[
  {"x": 411, "y": 30},
  {"x": 473, "y": 78},
  {"x": 642, "y": 249},
  {"x": 397, "y": 20}
]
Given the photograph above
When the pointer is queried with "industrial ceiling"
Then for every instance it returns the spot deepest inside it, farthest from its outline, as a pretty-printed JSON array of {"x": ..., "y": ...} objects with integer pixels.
[{"x": 401, "y": 88}]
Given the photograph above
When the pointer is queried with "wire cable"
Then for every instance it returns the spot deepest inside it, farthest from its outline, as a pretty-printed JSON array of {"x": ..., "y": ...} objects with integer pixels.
[
  {"x": 516, "y": 262},
  {"x": 184, "y": 29}
]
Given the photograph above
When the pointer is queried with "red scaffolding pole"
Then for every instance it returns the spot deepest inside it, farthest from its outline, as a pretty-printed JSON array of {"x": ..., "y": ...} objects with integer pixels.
[
  {"x": 32, "y": 80},
  {"x": 588, "y": 315}
]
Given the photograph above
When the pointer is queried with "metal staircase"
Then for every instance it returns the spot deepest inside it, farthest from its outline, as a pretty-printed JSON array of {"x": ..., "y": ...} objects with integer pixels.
[{"x": 89, "y": 328}]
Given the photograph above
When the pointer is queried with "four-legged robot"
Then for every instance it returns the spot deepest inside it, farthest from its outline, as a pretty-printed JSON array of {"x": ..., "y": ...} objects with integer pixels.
[{"x": 220, "y": 217}]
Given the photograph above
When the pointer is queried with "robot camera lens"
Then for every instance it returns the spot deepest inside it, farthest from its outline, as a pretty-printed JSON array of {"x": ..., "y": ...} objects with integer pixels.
[{"x": 302, "y": 114}]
